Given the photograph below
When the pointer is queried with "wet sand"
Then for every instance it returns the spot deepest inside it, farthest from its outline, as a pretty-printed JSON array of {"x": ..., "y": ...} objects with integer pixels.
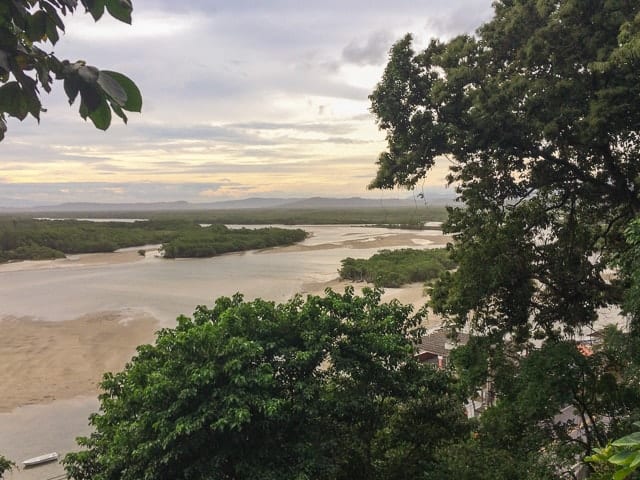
[
  {"x": 47, "y": 361},
  {"x": 392, "y": 240},
  {"x": 81, "y": 260}
]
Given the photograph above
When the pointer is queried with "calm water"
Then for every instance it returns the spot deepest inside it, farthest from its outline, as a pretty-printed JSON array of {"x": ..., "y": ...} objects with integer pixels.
[{"x": 165, "y": 288}]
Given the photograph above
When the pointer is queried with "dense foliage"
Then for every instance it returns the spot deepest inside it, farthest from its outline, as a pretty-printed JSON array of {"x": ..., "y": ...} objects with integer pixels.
[
  {"x": 218, "y": 239},
  {"x": 538, "y": 115},
  {"x": 316, "y": 388},
  {"x": 394, "y": 268},
  {"x": 27, "y": 239},
  {"x": 26, "y": 26},
  {"x": 382, "y": 216}
]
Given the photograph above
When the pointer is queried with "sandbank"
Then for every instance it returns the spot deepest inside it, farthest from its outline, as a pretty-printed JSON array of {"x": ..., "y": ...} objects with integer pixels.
[
  {"x": 47, "y": 361},
  {"x": 391, "y": 240}
]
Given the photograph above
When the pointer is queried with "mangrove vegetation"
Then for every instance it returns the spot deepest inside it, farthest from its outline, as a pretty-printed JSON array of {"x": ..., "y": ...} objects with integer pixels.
[
  {"x": 394, "y": 268},
  {"x": 30, "y": 239}
]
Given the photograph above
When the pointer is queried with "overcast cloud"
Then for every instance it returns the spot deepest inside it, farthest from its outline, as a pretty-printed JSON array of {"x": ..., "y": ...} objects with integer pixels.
[{"x": 241, "y": 98}]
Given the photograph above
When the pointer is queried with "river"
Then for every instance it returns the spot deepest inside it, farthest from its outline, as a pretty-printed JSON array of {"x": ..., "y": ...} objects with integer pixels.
[{"x": 59, "y": 291}]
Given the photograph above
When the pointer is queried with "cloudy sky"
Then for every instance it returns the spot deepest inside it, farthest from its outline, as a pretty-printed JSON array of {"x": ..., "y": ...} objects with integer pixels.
[{"x": 241, "y": 99}]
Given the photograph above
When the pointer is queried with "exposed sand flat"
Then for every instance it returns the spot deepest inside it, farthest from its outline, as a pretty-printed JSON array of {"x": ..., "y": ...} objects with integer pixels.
[
  {"x": 397, "y": 240},
  {"x": 85, "y": 259},
  {"x": 47, "y": 361}
]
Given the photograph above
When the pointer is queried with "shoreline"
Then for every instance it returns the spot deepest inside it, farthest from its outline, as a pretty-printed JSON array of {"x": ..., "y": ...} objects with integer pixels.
[{"x": 49, "y": 360}]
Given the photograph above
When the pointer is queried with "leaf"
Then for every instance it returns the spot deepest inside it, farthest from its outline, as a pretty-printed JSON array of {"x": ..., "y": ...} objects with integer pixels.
[
  {"x": 13, "y": 100},
  {"x": 134, "y": 97},
  {"x": 33, "y": 104},
  {"x": 71, "y": 88},
  {"x": 628, "y": 441},
  {"x": 112, "y": 88},
  {"x": 622, "y": 458},
  {"x": 37, "y": 26},
  {"x": 101, "y": 116},
  {"x": 91, "y": 99},
  {"x": 53, "y": 15},
  {"x": 622, "y": 474},
  {"x": 120, "y": 9},
  {"x": 95, "y": 8},
  {"x": 118, "y": 111},
  {"x": 52, "y": 33}
]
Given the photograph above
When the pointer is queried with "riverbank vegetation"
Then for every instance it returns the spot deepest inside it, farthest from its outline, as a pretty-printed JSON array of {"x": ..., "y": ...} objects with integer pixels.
[
  {"x": 409, "y": 217},
  {"x": 29, "y": 239},
  {"x": 533, "y": 114},
  {"x": 218, "y": 239},
  {"x": 394, "y": 268}
]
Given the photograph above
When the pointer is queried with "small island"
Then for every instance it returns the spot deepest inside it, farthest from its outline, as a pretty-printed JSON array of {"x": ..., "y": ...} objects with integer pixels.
[{"x": 395, "y": 268}]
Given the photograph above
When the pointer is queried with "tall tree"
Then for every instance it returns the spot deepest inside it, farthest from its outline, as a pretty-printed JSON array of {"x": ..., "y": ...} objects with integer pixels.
[
  {"x": 538, "y": 114},
  {"x": 322, "y": 388},
  {"x": 26, "y": 27}
]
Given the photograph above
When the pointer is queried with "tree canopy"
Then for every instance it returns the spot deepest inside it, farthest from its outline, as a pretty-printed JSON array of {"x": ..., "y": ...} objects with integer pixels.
[
  {"x": 538, "y": 114},
  {"x": 318, "y": 388},
  {"x": 26, "y": 67}
]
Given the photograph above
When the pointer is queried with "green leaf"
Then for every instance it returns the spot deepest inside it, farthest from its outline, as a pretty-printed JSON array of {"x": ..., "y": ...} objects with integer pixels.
[
  {"x": 33, "y": 104},
  {"x": 120, "y": 9},
  {"x": 91, "y": 98},
  {"x": 53, "y": 15},
  {"x": 622, "y": 458},
  {"x": 52, "y": 33},
  {"x": 14, "y": 100},
  {"x": 71, "y": 88},
  {"x": 37, "y": 26},
  {"x": 118, "y": 111},
  {"x": 101, "y": 116},
  {"x": 112, "y": 88},
  {"x": 134, "y": 97},
  {"x": 622, "y": 474},
  {"x": 628, "y": 441},
  {"x": 95, "y": 8}
]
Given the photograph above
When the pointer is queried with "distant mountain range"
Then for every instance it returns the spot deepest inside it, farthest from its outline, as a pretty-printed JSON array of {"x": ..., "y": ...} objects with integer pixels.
[{"x": 253, "y": 203}]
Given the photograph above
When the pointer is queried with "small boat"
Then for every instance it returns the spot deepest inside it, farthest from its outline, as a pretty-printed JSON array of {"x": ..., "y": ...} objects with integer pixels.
[{"x": 47, "y": 457}]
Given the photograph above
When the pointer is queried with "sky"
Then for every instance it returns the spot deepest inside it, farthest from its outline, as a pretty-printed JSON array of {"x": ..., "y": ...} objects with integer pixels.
[{"x": 241, "y": 99}]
